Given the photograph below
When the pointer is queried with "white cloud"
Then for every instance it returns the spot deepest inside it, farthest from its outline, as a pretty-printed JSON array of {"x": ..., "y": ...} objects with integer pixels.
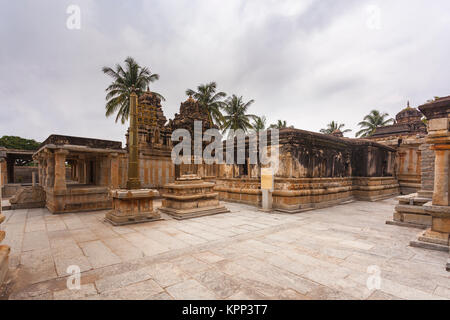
[{"x": 308, "y": 62}]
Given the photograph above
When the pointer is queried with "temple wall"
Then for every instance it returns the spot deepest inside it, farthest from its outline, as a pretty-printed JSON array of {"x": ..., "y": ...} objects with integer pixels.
[
  {"x": 154, "y": 172},
  {"x": 408, "y": 161},
  {"x": 316, "y": 171}
]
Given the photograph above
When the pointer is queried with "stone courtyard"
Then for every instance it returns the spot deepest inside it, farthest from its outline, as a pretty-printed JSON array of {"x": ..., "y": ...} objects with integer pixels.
[{"x": 328, "y": 253}]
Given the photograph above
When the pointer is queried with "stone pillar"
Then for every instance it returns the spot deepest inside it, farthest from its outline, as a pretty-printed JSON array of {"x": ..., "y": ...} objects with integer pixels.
[
  {"x": 114, "y": 170},
  {"x": 438, "y": 115},
  {"x": 133, "y": 148},
  {"x": 4, "y": 251},
  {"x": 50, "y": 172},
  {"x": 440, "y": 193},
  {"x": 60, "y": 170},
  {"x": 3, "y": 177}
]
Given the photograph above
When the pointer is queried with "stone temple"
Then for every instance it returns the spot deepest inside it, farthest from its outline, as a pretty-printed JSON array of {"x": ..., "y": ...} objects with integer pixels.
[{"x": 338, "y": 206}]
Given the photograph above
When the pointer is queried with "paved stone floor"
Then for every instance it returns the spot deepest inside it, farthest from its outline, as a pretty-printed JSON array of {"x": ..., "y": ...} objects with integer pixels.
[{"x": 330, "y": 253}]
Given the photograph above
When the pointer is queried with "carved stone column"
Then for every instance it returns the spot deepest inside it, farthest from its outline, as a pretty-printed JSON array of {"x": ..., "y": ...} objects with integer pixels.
[
  {"x": 50, "y": 172},
  {"x": 60, "y": 170},
  {"x": 438, "y": 115},
  {"x": 4, "y": 249}
]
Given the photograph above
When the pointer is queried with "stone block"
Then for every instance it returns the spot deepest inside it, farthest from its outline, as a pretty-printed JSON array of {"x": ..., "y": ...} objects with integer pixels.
[
  {"x": 190, "y": 197},
  {"x": 132, "y": 206}
]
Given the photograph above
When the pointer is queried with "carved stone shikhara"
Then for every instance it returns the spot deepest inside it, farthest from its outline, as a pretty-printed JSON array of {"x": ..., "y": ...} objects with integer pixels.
[{"x": 190, "y": 197}]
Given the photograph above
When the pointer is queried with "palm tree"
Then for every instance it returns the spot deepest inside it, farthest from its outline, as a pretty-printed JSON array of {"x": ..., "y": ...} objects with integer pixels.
[
  {"x": 208, "y": 98},
  {"x": 372, "y": 121},
  {"x": 259, "y": 124},
  {"x": 236, "y": 116},
  {"x": 280, "y": 125},
  {"x": 334, "y": 126},
  {"x": 125, "y": 80}
]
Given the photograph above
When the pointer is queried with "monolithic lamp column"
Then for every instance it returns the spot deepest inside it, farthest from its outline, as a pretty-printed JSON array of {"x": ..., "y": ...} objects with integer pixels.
[{"x": 133, "y": 181}]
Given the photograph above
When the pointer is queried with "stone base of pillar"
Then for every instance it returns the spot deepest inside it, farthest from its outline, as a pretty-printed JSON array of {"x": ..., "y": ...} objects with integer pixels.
[
  {"x": 438, "y": 236},
  {"x": 4, "y": 262},
  {"x": 132, "y": 206},
  {"x": 4, "y": 254},
  {"x": 410, "y": 212},
  {"x": 190, "y": 197}
]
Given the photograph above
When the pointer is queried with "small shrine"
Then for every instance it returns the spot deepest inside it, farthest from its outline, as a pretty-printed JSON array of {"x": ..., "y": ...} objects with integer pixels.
[{"x": 191, "y": 197}]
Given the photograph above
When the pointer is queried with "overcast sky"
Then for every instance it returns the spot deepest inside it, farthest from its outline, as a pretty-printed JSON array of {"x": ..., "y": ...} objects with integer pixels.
[{"x": 304, "y": 61}]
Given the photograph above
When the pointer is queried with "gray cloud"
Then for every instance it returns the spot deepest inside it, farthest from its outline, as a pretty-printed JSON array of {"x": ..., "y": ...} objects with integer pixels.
[{"x": 308, "y": 62}]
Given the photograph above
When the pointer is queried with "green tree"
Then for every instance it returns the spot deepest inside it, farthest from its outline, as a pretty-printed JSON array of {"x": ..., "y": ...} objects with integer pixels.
[
  {"x": 371, "y": 122},
  {"x": 281, "y": 124},
  {"x": 14, "y": 142},
  {"x": 211, "y": 100},
  {"x": 334, "y": 126},
  {"x": 125, "y": 80},
  {"x": 236, "y": 116},
  {"x": 259, "y": 124}
]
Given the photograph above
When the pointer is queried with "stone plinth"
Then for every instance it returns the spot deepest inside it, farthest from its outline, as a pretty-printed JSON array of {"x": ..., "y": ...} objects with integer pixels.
[
  {"x": 132, "y": 206},
  {"x": 438, "y": 236},
  {"x": 410, "y": 212},
  {"x": 190, "y": 197},
  {"x": 4, "y": 254}
]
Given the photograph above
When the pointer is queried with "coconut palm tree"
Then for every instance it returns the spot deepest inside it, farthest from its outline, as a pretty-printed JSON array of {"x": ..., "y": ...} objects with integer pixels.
[
  {"x": 125, "y": 80},
  {"x": 334, "y": 126},
  {"x": 236, "y": 116},
  {"x": 372, "y": 121},
  {"x": 208, "y": 98},
  {"x": 281, "y": 124},
  {"x": 259, "y": 124}
]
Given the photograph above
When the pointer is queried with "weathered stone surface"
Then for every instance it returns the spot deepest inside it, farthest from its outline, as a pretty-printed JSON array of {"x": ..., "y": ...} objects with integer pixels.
[
  {"x": 322, "y": 255},
  {"x": 190, "y": 197},
  {"x": 132, "y": 206}
]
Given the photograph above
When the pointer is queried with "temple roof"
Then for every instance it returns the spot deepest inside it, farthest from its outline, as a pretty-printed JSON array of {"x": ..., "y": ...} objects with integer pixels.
[
  {"x": 439, "y": 108},
  {"x": 148, "y": 98},
  {"x": 60, "y": 140},
  {"x": 408, "y": 123},
  {"x": 408, "y": 115}
]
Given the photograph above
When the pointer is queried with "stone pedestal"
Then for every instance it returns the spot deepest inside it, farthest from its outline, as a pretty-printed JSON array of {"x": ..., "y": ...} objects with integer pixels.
[
  {"x": 437, "y": 237},
  {"x": 4, "y": 254},
  {"x": 410, "y": 212},
  {"x": 190, "y": 197},
  {"x": 132, "y": 206}
]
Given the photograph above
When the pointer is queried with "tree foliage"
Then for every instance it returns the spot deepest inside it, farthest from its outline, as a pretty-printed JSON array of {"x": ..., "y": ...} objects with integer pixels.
[
  {"x": 126, "y": 79},
  {"x": 14, "y": 142},
  {"x": 372, "y": 121},
  {"x": 334, "y": 126}
]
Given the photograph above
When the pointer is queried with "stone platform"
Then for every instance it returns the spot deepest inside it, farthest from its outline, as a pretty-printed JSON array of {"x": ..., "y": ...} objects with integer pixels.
[
  {"x": 132, "y": 206},
  {"x": 410, "y": 212},
  {"x": 246, "y": 254},
  {"x": 190, "y": 197}
]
